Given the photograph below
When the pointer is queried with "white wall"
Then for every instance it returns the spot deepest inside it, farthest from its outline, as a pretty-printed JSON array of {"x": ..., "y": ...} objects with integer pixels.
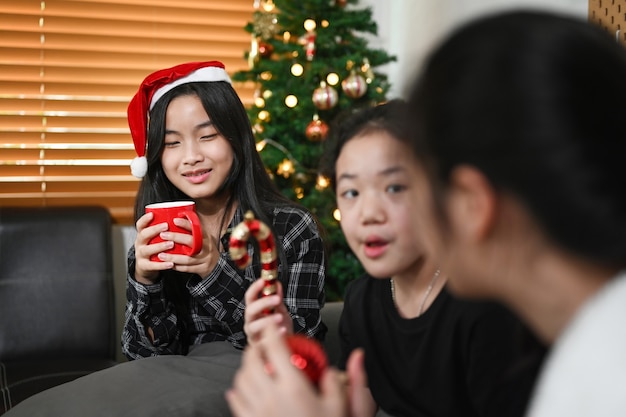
[{"x": 408, "y": 29}]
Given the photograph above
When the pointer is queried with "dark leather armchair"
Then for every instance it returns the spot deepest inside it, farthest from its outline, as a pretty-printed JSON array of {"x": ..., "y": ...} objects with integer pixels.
[{"x": 57, "y": 318}]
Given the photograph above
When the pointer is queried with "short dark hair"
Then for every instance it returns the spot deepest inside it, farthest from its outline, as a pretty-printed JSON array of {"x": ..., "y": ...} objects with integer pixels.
[
  {"x": 537, "y": 102},
  {"x": 387, "y": 117}
]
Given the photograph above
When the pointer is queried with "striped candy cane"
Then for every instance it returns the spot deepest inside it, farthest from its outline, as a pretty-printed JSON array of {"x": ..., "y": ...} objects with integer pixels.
[
  {"x": 307, "y": 354},
  {"x": 238, "y": 249}
]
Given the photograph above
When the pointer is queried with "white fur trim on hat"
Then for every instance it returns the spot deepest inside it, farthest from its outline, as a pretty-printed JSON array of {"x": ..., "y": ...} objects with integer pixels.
[
  {"x": 207, "y": 74},
  {"x": 139, "y": 166}
]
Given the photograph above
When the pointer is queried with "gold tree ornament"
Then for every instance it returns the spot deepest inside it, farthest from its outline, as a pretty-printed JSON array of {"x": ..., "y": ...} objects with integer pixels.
[
  {"x": 265, "y": 24},
  {"x": 366, "y": 69},
  {"x": 325, "y": 97},
  {"x": 354, "y": 86}
]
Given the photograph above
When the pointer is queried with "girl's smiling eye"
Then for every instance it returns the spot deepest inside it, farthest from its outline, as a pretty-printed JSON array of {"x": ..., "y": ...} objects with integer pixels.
[
  {"x": 396, "y": 188},
  {"x": 170, "y": 143},
  {"x": 209, "y": 136}
]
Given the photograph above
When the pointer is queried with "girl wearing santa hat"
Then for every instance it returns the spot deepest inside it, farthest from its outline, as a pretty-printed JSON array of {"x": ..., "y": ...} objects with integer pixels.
[{"x": 194, "y": 142}]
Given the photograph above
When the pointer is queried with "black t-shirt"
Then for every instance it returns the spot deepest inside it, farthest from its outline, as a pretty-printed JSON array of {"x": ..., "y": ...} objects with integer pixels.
[{"x": 459, "y": 358}]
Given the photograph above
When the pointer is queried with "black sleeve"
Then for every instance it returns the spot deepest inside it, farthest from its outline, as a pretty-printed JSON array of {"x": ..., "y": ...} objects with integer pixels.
[{"x": 502, "y": 364}]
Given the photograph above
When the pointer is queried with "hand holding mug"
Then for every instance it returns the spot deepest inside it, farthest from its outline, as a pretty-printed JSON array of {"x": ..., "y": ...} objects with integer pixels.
[{"x": 167, "y": 213}]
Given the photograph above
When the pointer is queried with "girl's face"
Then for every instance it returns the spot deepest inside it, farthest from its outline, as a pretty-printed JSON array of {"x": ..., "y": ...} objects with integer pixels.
[
  {"x": 376, "y": 193},
  {"x": 196, "y": 157}
]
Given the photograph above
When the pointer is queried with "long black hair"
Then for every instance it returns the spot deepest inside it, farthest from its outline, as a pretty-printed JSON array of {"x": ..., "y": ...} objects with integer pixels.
[
  {"x": 536, "y": 102},
  {"x": 247, "y": 184}
]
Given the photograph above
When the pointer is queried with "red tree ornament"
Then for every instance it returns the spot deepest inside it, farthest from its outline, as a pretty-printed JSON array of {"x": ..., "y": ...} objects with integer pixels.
[
  {"x": 325, "y": 97},
  {"x": 265, "y": 49},
  {"x": 354, "y": 86},
  {"x": 316, "y": 130}
]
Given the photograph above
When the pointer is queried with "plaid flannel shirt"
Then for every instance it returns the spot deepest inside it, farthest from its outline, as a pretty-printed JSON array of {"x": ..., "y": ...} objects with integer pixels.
[{"x": 213, "y": 307}]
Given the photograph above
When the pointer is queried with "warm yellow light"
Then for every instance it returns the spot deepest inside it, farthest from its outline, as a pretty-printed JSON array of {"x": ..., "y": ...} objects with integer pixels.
[
  {"x": 266, "y": 75},
  {"x": 332, "y": 78},
  {"x": 337, "y": 215},
  {"x": 267, "y": 94},
  {"x": 268, "y": 6},
  {"x": 286, "y": 36},
  {"x": 259, "y": 102},
  {"x": 261, "y": 145},
  {"x": 297, "y": 69},
  {"x": 264, "y": 115},
  {"x": 299, "y": 192},
  {"x": 285, "y": 168},
  {"x": 322, "y": 182},
  {"x": 309, "y": 25},
  {"x": 325, "y": 23},
  {"x": 291, "y": 101}
]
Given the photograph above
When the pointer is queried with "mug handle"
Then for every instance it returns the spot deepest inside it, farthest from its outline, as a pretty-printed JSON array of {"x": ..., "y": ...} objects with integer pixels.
[{"x": 196, "y": 232}]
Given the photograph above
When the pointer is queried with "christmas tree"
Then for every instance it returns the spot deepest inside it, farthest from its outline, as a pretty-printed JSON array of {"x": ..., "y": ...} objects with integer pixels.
[{"x": 311, "y": 64}]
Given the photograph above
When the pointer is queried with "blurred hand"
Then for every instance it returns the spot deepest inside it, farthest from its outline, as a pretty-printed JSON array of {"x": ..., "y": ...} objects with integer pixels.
[
  {"x": 284, "y": 391},
  {"x": 256, "y": 317}
]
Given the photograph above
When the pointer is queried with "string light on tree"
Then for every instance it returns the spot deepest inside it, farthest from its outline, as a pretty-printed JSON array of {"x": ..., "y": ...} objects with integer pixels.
[
  {"x": 285, "y": 168},
  {"x": 332, "y": 78},
  {"x": 297, "y": 70},
  {"x": 322, "y": 183},
  {"x": 264, "y": 116},
  {"x": 259, "y": 101},
  {"x": 291, "y": 101}
]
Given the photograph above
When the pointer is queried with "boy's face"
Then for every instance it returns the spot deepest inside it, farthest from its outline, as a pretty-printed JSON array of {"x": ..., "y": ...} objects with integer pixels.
[{"x": 376, "y": 194}]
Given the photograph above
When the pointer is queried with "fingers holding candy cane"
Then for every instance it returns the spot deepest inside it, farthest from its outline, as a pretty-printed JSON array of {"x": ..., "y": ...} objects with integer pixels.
[
  {"x": 264, "y": 297},
  {"x": 256, "y": 312}
]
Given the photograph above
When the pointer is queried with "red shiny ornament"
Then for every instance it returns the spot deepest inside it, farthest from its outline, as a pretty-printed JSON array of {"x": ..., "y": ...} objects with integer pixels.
[
  {"x": 325, "y": 97},
  {"x": 308, "y": 355},
  {"x": 341, "y": 3},
  {"x": 265, "y": 49},
  {"x": 354, "y": 86},
  {"x": 316, "y": 130}
]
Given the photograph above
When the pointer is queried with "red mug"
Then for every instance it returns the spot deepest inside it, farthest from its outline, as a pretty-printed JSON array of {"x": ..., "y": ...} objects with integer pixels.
[{"x": 166, "y": 213}]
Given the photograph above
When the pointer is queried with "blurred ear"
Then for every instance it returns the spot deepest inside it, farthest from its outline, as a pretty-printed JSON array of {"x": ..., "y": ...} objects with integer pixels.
[{"x": 471, "y": 203}]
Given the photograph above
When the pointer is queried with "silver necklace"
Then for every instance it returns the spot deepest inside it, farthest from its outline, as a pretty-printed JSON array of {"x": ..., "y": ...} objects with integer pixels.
[{"x": 426, "y": 294}]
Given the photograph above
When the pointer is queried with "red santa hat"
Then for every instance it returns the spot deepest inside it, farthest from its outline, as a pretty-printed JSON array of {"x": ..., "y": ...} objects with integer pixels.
[{"x": 153, "y": 87}]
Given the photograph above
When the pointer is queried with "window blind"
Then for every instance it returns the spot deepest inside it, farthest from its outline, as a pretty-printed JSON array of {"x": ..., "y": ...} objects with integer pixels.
[{"x": 68, "y": 69}]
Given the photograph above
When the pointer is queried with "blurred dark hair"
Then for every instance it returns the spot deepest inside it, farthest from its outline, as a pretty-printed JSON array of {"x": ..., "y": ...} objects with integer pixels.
[
  {"x": 537, "y": 102},
  {"x": 388, "y": 117}
]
